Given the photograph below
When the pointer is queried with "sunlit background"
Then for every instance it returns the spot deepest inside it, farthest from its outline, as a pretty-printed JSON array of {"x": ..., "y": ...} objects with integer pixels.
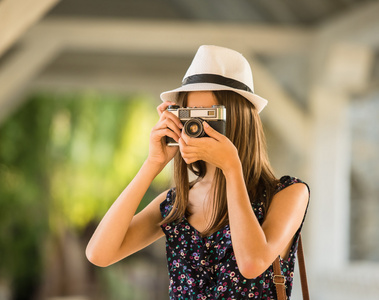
[{"x": 79, "y": 83}]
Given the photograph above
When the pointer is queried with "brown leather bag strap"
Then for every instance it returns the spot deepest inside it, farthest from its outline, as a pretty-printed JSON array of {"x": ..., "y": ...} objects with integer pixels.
[
  {"x": 303, "y": 273},
  {"x": 280, "y": 280}
]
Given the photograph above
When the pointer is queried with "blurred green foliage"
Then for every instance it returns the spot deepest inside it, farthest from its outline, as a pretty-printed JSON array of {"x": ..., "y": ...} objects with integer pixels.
[{"x": 63, "y": 160}]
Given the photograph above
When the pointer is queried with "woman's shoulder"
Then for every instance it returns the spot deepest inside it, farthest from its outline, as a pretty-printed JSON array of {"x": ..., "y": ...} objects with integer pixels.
[{"x": 287, "y": 180}]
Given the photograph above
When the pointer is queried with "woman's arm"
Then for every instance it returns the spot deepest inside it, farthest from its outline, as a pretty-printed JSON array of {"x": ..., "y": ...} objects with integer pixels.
[
  {"x": 120, "y": 233},
  {"x": 255, "y": 246},
  {"x": 112, "y": 239}
]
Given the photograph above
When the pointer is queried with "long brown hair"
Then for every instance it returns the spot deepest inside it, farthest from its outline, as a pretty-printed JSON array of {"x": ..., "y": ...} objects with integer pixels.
[{"x": 245, "y": 130}]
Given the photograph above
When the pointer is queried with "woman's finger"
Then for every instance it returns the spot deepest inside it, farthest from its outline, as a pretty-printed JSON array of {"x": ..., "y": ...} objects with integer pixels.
[
  {"x": 186, "y": 139},
  {"x": 188, "y": 151},
  {"x": 169, "y": 115},
  {"x": 160, "y": 133},
  {"x": 167, "y": 119},
  {"x": 189, "y": 159},
  {"x": 170, "y": 124},
  {"x": 174, "y": 125},
  {"x": 162, "y": 107},
  {"x": 212, "y": 132}
]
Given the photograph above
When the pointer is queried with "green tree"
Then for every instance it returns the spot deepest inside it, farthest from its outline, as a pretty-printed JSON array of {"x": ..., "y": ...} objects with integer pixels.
[{"x": 63, "y": 161}]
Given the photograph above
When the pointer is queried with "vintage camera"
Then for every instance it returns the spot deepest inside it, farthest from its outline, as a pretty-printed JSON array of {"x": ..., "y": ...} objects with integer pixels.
[{"x": 192, "y": 119}]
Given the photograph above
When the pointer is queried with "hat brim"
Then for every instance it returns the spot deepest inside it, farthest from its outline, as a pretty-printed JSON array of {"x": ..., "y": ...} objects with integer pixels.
[{"x": 172, "y": 95}]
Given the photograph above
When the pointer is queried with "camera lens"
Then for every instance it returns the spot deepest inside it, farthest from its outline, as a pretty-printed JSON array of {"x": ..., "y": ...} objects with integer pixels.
[{"x": 194, "y": 128}]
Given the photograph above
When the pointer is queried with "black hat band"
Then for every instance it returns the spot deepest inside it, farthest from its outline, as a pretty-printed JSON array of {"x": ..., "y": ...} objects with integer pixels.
[{"x": 217, "y": 79}]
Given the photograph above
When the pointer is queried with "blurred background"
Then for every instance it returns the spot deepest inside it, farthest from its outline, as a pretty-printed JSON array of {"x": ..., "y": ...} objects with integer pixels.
[{"x": 79, "y": 83}]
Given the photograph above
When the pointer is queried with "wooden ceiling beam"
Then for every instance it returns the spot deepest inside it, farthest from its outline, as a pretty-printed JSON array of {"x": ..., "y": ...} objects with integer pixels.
[
  {"x": 16, "y": 16},
  {"x": 18, "y": 70},
  {"x": 171, "y": 37},
  {"x": 358, "y": 26},
  {"x": 51, "y": 36}
]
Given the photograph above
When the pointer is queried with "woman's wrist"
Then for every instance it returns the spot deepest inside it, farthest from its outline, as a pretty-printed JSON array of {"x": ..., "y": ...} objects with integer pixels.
[
  {"x": 233, "y": 169},
  {"x": 154, "y": 166}
]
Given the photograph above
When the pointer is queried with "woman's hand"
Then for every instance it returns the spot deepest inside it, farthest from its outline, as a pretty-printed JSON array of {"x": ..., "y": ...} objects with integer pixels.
[
  {"x": 216, "y": 149},
  {"x": 168, "y": 125}
]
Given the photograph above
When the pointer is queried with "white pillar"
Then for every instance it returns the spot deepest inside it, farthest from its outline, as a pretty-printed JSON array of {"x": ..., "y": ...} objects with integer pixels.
[
  {"x": 340, "y": 69},
  {"x": 328, "y": 224}
]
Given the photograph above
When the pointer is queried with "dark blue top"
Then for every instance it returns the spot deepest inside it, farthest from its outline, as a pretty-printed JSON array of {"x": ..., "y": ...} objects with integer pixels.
[{"x": 206, "y": 268}]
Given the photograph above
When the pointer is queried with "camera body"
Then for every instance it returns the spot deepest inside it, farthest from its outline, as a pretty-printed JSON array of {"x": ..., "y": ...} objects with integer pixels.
[{"x": 192, "y": 119}]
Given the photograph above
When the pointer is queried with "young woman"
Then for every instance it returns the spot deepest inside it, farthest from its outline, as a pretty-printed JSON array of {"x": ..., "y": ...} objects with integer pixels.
[{"x": 224, "y": 229}]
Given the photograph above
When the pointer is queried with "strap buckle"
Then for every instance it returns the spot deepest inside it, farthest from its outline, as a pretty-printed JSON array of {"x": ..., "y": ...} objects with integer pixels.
[{"x": 279, "y": 279}]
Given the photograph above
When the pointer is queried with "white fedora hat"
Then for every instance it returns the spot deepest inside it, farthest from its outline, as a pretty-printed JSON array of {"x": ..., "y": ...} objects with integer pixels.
[{"x": 217, "y": 69}]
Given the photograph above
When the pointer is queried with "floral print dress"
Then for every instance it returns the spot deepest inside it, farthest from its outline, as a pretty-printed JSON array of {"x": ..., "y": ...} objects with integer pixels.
[{"x": 206, "y": 268}]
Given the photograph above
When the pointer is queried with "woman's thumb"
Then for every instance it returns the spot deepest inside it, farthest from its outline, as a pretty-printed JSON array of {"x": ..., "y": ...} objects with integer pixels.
[{"x": 209, "y": 130}]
